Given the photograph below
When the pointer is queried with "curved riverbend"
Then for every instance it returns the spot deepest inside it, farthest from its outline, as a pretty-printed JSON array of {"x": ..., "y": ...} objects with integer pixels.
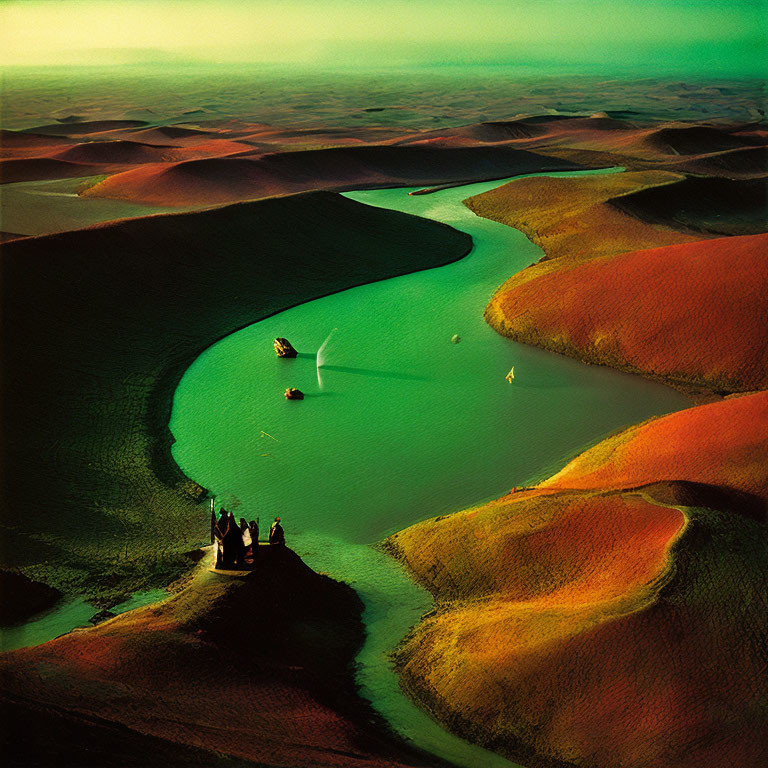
[{"x": 398, "y": 424}]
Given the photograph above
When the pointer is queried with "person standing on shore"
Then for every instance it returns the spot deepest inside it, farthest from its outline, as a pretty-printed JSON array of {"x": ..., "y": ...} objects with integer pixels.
[
  {"x": 220, "y": 533},
  {"x": 276, "y": 533},
  {"x": 245, "y": 532},
  {"x": 234, "y": 551},
  {"x": 253, "y": 528}
]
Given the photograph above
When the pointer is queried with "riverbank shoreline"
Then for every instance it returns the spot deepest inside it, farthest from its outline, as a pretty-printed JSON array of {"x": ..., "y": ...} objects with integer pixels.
[
  {"x": 534, "y": 594},
  {"x": 273, "y": 649},
  {"x": 143, "y": 385}
]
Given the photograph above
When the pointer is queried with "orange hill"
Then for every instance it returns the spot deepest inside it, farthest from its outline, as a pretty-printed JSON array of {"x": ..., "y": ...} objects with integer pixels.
[
  {"x": 591, "y": 622},
  {"x": 719, "y": 444},
  {"x": 585, "y": 300},
  {"x": 695, "y": 313},
  {"x": 164, "y": 133},
  {"x": 113, "y": 152}
]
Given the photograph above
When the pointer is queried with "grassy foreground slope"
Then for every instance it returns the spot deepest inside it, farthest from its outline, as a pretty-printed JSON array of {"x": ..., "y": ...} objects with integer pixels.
[
  {"x": 100, "y": 324},
  {"x": 229, "y": 672},
  {"x": 614, "y": 615}
]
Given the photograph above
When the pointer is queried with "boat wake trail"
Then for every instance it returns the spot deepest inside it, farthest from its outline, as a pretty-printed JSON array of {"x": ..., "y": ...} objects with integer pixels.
[{"x": 320, "y": 358}]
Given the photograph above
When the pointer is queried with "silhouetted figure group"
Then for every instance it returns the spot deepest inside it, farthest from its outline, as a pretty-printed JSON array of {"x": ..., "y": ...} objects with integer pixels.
[{"x": 237, "y": 545}]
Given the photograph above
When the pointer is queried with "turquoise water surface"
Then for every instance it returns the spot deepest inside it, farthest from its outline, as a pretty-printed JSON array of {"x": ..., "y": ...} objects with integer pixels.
[
  {"x": 66, "y": 616},
  {"x": 399, "y": 424}
]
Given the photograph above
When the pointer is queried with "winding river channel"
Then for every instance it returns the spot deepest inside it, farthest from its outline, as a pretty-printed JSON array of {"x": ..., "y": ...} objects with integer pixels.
[{"x": 399, "y": 424}]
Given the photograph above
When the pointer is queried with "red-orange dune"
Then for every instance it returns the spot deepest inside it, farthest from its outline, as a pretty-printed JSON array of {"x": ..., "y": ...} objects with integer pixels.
[
  {"x": 41, "y": 159},
  {"x": 590, "y": 622},
  {"x": 174, "y": 135},
  {"x": 694, "y": 313},
  {"x": 252, "y": 669},
  {"x": 721, "y": 444},
  {"x": 119, "y": 152},
  {"x": 596, "y": 141},
  {"x": 122, "y": 152}
]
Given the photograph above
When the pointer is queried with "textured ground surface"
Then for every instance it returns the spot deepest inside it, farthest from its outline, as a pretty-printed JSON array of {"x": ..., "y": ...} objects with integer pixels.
[
  {"x": 614, "y": 615},
  {"x": 229, "y": 672},
  {"x": 695, "y": 313}
]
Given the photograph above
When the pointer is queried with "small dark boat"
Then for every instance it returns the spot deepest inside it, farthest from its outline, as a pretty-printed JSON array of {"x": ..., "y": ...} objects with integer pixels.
[{"x": 284, "y": 348}]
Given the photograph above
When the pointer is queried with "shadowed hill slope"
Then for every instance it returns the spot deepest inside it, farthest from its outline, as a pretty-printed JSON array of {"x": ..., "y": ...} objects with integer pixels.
[
  {"x": 734, "y": 164},
  {"x": 10, "y": 140},
  {"x": 99, "y": 326},
  {"x": 229, "y": 672},
  {"x": 37, "y": 168},
  {"x": 707, "y": 300},
  {"x": 228, "y": 179},
  {"x": 613, "y": 615},
  {"x": 165, "y": 133},
  {"x": 113, "y": 152},
  {"x": 694, "y": 140},
  {"x": 708, "y": 205},
  {"x": 21, "y": 598}
]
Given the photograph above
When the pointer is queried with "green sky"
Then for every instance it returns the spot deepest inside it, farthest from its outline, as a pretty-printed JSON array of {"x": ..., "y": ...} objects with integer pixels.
[{"x": 670, "y": 35}]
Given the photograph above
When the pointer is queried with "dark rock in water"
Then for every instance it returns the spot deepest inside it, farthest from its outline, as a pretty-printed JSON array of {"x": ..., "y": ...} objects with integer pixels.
[
  {"x": 97, "y": 618},
  {"x": 284, "y": 348},
  {"x": 294, "y": 394},
  {"x": 20, "y": 597}
]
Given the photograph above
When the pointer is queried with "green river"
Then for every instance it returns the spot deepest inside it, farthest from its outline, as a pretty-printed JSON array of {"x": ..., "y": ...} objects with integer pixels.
[{"x": 399, "y": 424}]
